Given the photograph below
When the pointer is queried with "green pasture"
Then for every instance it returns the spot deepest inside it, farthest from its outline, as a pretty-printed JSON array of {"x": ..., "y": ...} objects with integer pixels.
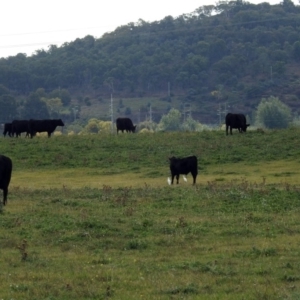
[{"x": 92, "y": 217}]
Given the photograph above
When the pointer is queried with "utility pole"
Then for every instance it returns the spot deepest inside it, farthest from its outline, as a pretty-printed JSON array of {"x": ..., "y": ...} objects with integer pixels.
[
  {"x": 111, "y": 87},
  {"x": 187, "y": 111},
  {"x": 109, "y": 82},
  {"x": 139, "y": 116},
  {"x": 75, "y": 110},
  {"x": 150, "y": 113},
  {"x": 225, "y": 109},
  {"x": 271, "y": 73},
  {"x": 112, "y": 112},
  {"x": 219, "y": 112}
]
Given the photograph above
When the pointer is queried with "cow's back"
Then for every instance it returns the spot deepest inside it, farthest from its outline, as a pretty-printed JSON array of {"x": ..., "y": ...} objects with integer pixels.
[
  {"x": 125, "y": 124},
  {"x": 232, "y": 119},
  {"x": 19, "y": 126},
  {"x": 184, "y": 165},
  {"x": 46, "y": 125},
  {"x": 237, "y": 121},
  {"x": 192, "y": 163},
  {"x": 242, "y": 119}
]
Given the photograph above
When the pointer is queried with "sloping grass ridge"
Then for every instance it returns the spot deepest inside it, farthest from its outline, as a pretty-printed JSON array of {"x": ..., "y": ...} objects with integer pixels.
[{"x": 129, "y": 151}]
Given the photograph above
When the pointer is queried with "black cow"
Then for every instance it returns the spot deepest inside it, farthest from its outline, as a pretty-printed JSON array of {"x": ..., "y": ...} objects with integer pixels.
[
  {"x": 184, "y": 166},
  {"x": 7, "y": 129},
  {"x": 19, "y": 126},
  {"x": 237, "y": 121},
  {"x": 125, "y": 124},
  {"x": 44, "y": 126},
  {"x": 5, "y": 175}
]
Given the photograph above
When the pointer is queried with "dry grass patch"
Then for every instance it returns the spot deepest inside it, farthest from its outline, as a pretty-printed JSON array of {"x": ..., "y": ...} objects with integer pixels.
[{"x": 275, "y": 172}]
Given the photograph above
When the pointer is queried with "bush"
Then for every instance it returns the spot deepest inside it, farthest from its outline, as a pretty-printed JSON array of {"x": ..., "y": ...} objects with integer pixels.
[
  {"x": 272, "y": 113},
  {"x": 171, "y": 121}
]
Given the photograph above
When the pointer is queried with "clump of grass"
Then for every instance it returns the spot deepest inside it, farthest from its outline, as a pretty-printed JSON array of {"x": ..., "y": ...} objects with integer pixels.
[
  {"x": 183, "y": 290},
  {"x": 136, "y": 244},
  {"x": 23, "y": 250}
]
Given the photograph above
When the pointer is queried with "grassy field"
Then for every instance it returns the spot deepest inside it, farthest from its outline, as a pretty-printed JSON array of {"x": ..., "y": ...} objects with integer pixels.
[{"x": 92, "y": 217}]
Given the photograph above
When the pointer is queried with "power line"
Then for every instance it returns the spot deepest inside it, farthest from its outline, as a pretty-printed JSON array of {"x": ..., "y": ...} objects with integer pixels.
[
  {"x": 32, "y": 44},
  {"x": 50, "y": 31}
]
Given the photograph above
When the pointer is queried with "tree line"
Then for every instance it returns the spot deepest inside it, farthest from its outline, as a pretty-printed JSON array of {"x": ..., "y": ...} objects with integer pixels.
[
  {"x": 232, "y": 51},
  {"x": 271, "y": 113}
]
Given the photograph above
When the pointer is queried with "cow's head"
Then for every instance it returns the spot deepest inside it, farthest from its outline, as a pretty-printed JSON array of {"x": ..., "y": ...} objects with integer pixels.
[
  {"x": 244, "y": 128},
  {"x": 60, "y": 122},
  {"x": 133, "y": 128},
  {"x": 172, "y": 159}
]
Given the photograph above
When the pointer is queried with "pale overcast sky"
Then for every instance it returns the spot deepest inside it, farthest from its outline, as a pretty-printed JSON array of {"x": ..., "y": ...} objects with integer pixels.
[{"x": 29, "y": 25}]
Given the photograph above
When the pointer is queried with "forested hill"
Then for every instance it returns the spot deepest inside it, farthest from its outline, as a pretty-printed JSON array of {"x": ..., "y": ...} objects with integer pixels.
[{"x": 235, "y": 53}]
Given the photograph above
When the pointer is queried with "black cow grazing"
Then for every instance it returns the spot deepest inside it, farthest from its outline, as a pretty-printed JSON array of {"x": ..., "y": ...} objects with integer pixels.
[
  {"x": 184, "y": 166},
  {"x": 5, "y": 175},
  {"x": 44, "y": 126},
  {"x": 237, "y": 121},
  {"x": 7, "y": 129},
  {"x": 19, "y": 126},
  {"x": 125, "y": 124}
]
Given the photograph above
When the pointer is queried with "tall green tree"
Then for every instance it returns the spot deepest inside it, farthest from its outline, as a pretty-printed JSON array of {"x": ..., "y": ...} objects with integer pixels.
[
  {"x": 8, "y": 108},
  {"x": 171, "y": 121},
  {"x": 296, "y": 50},
  {"x": 35, "y": 108},
  {"x": 62, "y": 94},
  {"x": 3, "y": 90},
  {"x": 272, "y": 113},
  {"x": 54, "y": 105}
]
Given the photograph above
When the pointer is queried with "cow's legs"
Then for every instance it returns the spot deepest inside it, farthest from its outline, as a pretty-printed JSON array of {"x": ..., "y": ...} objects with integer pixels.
[
  {"x": 5, "y": 192},
  {"x": 177, "y": 178},
  {"x": 194, "y": 177},
  {"x": 226, "y": 130},
  {"x": 172, "y": 179}
]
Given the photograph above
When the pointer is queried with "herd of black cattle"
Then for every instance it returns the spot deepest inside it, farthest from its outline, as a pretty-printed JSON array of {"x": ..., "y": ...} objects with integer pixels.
[{"x": 31, "y": 127}]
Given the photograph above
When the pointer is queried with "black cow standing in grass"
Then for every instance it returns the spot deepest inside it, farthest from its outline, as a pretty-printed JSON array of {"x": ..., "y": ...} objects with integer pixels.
[
  {"x": 19, "y": 126},
  {"x": 125, "y": 124},
  {"x": 5, "y": 175},
  {"x": 184, "y": 166},
  {"x": 44, "y": 126},
  {"x": 7, "y": 129},
  {"x": 237, "y": 121}
]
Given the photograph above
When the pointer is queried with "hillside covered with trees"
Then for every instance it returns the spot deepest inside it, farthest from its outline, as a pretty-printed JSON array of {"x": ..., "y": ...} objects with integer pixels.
[{"x": 221, "y": 57}]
